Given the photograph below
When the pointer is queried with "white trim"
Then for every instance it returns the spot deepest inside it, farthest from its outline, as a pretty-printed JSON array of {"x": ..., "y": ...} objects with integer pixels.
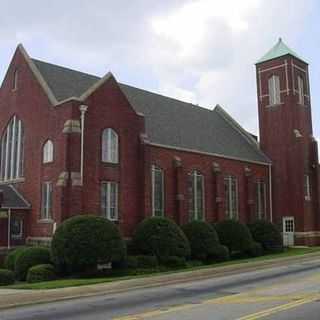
[
  {"x": 272, "y": 68},
  {"x": 106, "y": 207},
  {"x": 270, "y": 194},
  {"x": 19, "y": 148},
  {"x": 109, "y": 139},
  {"x": 158, "y": 145},
  {"x": 233, "y": 212},
  {"x": 13, "y": 141}
]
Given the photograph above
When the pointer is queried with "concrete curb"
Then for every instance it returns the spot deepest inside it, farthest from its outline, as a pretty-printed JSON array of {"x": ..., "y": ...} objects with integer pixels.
[{"x": 16, "y": 298}]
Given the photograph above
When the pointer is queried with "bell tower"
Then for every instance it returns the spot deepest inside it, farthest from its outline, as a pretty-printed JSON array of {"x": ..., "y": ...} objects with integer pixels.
[{"x": 286, "y": 137}]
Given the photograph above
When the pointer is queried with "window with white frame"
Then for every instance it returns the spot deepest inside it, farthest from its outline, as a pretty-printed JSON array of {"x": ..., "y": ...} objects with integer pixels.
[
  {"x": 261, "y": 199},
  {"x": 231, "y": 197},
  {"x": 11, "y": 166},
  {"x": 46, "y": 201},
  {"x": 274, "y": 90},
  {"x": 301, "y": 90},
  {"x": 196, "y": 196},
  {"x": 157, "y": 178},
  {"x": 48, "y": 152},
  {"x": 307, "y": 187},
  {"x": 110, "y": 146},
  {"x": 109, "y": 200}
]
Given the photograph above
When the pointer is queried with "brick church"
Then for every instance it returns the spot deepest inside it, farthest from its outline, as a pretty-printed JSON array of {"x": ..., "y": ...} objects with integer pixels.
[{"x": 74, "y": 143}]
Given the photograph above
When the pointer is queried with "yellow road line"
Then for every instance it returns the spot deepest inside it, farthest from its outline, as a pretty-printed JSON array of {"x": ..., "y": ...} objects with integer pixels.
[
  {"x": 284, "y": 307},
  {"x": 245, "y": 297}
]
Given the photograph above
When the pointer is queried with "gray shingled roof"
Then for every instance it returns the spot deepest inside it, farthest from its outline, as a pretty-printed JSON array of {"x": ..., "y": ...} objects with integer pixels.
[
  {"x": 168, "y": 121},
  {"x": 12, "y": 198}
]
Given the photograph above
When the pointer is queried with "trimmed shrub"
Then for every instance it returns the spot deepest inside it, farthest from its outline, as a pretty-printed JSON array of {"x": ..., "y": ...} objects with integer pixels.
[
  {"x": 220, "y": 254},
  {"x": 267, "y": 234},
  {"x": 41, "y": 272},
  {"x": 174, "y": 262},
  {"x": 82, "y": 242},
  {"x": 203, "y": 239},
  {"x": 30, "y": 257},
  {"x": 147, "y": 262},
  {"x": 194, "y": 263},
  {"x": 132, "y": 262},
  {"x": 11, "y": 258},
  {"x": 255, "y": 250},
  {"x": 234, "y": 235},
  {"x": 6, "y": 277},
  {"x": 160, "y": 237}
]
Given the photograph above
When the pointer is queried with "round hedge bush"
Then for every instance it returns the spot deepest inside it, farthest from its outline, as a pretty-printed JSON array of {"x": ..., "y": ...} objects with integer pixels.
[
  {"x": 30, "y": 257},
  {"x": 82, "y": 242},
  {"x": 203, "y": 239},
  {"x": 220, "y": 253},
  {"x": 160, "y": 237},
  {"x": 255, "y": 250},
  {"x": 267, "y": 234},
  {"x": 41, "y": 272},
  {"x": 6, "y": 277},
  {"x": 11, "y": 258},
  {"x": 147, "y": 262},
  {"x": 234, "y": 235},
  {"x": 175, "y": 262}
]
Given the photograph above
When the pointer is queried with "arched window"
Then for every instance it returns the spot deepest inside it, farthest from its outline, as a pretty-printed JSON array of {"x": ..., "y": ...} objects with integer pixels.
[
  {"x": 274, "y": 90},
  {"x": 196, "y": 196},
  {"x": 48, "y": 152},
  {"x": 15, "y": 80},
  {"x": 301, "y": 90},
  {"x": 11, "y": 166},
  {"x": 110, "y": 146},
  {"x": 157, "y": 179}
]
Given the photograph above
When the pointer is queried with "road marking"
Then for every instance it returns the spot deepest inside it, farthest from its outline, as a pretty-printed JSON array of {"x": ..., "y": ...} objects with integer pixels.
[{"x": 283, "y": 307}]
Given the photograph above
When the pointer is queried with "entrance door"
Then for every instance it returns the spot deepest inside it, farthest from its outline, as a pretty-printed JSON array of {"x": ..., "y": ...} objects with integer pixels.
[{"x": 288, "y": 231}]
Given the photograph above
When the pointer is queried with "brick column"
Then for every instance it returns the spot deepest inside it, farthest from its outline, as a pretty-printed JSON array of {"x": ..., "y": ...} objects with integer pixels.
[
  {"x": 249, "y": 191},
  {"x": 218, "y": 187},
  {"x": 181, "y": 210}
]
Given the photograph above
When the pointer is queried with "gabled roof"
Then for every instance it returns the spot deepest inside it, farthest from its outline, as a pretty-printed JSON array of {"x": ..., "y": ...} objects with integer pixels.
[
  {"x": 169, "y": 122},
  {"x": 12, "y": 199},
  {"x": 278, "y": 50}
]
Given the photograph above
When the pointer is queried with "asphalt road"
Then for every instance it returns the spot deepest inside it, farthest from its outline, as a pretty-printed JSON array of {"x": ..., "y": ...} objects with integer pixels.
[{"x": 289, "y": 292}]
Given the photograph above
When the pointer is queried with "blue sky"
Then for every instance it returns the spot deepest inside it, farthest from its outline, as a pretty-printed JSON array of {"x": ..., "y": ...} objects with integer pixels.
[{"x": 199, "y": 51}]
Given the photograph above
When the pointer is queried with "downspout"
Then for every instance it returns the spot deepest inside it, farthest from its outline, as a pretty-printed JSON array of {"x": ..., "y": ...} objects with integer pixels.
[
  {"x": 83, "y": 109},
  {"x": 270, "y": 193}
]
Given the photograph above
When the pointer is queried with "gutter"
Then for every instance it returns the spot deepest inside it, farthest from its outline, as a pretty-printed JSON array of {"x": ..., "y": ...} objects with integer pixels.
[{"x": 270, "y": 193}]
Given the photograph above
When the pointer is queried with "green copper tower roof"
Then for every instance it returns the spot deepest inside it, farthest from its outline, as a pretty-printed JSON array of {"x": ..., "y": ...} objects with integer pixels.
[{"x": 279, "y": 50}]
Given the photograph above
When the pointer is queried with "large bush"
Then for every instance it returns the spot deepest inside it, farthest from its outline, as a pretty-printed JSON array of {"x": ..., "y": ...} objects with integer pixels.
[
  {"x": 220, "y": 253},
  {"x": 160, "y": 237},
  {"x": 234, "y": 235},
  {"x": 30, "y": 257},
  {"x": 267, "y": 234},
  {"x": 82, "y": 242},
  {"x": 203, "y": 239},
  {"x": 6, "y": 277},
  {"x": 11, "y": 258},
  {"x": 41, "y": 272}
]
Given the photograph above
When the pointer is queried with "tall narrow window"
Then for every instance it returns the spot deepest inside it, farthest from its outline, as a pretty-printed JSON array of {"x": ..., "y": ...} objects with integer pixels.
[
  {"x": 231, "y": 197},
  {"x": 110, "y": 146},
  {"x": 261, "y": 200},
  {"x": 307, "y": 187},
  {"x": 48, "y": 152},
  {"x": 11, "y": 166},
  {"x": 157, "y": 191},
  {"x": 196, "y": 196},
  {"x": 274, "y": 90},
  {"x": 109, "y": 200},
  {"x": 301, "y": 90},
  {"x": 15, "y": 80},
  {"x": 46, "y": 201}
]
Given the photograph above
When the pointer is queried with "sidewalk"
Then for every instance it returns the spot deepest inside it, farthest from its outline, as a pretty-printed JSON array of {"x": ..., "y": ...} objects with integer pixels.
[{"x": 13, "y": 297}]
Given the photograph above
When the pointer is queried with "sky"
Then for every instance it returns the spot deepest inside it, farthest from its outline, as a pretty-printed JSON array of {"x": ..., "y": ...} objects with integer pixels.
[{"x": 200, "y": 51}]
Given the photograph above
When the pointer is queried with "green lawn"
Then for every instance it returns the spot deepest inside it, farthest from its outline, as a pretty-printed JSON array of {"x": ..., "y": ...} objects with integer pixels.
[{"x": 73, "y": 282}]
